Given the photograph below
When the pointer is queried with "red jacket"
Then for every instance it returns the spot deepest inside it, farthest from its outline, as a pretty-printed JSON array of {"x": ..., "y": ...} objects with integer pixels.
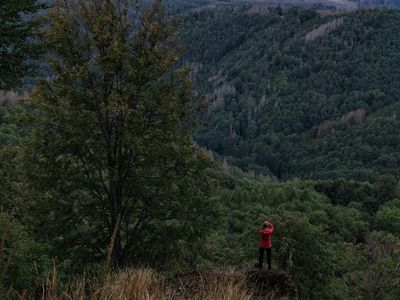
[{"x": 265, "y": 236}]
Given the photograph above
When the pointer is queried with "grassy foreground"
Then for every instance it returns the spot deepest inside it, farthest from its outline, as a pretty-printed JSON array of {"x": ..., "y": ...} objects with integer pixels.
[{"x": 139, "y": 284}]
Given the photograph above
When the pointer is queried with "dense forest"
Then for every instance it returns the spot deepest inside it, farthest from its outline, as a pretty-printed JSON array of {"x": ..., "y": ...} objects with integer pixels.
[
  {"x": 187, "y": 5},
  {"x": 164, "y": 143},
  {"x": 300, "y": 92}
]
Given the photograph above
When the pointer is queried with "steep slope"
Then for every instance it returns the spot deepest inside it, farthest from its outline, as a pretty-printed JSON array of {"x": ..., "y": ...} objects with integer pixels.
[
  {"x": 183, "y": 5},
  {"x": 296, "y": 92},
  {"x": 354, "y": 150}
]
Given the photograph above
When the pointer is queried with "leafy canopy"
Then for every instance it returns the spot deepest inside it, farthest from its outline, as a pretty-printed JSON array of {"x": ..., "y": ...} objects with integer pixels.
[{"x": 111, "y": 154}]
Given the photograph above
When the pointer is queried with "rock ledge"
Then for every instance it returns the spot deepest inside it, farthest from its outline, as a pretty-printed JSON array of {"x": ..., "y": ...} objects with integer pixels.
[{"x": 260, "y": 284}]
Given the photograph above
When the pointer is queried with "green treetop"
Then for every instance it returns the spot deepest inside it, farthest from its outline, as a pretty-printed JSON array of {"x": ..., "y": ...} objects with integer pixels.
[{"x": 112, "y": 151}]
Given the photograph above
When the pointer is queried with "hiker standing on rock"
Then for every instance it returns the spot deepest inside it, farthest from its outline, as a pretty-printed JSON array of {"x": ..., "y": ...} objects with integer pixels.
[{"x": 265, "y": 243}]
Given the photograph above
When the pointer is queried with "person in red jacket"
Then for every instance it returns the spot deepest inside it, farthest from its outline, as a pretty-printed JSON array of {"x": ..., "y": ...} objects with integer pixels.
[{"x": 265, "y": 243}]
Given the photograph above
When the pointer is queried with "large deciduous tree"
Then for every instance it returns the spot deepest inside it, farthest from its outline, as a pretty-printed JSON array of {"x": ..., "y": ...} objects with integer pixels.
[
  {"x": 111, "y": 151},
  {"x": 16, "y": 27}
]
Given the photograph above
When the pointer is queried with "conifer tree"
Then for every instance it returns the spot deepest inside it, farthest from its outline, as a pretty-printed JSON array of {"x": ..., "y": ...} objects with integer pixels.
[{"x": 16, "y": 27}]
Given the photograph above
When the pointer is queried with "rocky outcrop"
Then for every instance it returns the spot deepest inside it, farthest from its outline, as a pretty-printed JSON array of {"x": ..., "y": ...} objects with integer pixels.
[
  {"x": 225, "y": 283},
  {"x": 274, "y": 283}
]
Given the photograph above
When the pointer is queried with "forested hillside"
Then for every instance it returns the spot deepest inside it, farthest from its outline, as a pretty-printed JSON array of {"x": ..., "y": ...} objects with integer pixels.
[
  {"x": 297, "y": 92},
  {"x": 116, "y": 178},
  {"x": 185, "y": 5}
]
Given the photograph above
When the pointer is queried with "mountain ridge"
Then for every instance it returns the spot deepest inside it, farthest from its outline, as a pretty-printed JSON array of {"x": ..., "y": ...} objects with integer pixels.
[{"x": 184, "y": 5}]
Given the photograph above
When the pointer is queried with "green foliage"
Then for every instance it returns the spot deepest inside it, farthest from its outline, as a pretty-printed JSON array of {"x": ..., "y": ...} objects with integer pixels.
[
  {"x": 311, "y": 240},
  {"x": 303, "y": 249},
  {"x": 107, "y": 147},
  {"x": 368, "y": 195},
  {"x": 111, "y": 149},
  {"x": 23, "y": 261},
  {"x": 387, "y": 217},
  {"x": 290, "y": 98},
  {"x": 16, "y": 45},
  {"x": 11, "y": 137},
  {"x": 322, "y": 236},
  {"x": 381, "y": 272}
]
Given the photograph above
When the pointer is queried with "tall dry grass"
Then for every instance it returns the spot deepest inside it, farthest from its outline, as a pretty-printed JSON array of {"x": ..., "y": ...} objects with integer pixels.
[
  {"x": 223, "y": 284},
  {"x": 225, "y": 290},
  {"x": 141, "y": 284},
  {"x": 135, "y": 284}
]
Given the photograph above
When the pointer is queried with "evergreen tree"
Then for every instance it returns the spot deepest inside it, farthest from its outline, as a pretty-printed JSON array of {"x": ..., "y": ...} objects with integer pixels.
[{"x": 16, "y": 27}]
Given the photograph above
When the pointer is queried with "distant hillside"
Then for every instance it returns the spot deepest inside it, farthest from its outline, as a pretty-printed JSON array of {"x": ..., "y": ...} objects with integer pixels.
[
  {"x": 184, "y": 5},
  {"x": 300, "y": 92}
]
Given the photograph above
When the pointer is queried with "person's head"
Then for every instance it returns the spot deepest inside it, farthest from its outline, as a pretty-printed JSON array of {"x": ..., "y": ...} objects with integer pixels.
[{"x": 265, "y": 224}]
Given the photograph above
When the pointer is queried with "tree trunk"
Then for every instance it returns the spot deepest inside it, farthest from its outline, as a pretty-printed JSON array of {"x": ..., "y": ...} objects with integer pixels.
[
  {"x": 116, "y": 251},
  {"x": 116, "y": 209}
]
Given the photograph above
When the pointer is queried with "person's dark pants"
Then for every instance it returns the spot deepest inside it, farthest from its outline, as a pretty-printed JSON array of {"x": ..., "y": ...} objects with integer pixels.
[{"x": 261, "y": 257}]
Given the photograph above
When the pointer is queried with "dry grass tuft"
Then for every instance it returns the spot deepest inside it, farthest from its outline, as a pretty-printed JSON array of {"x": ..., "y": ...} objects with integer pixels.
[
  {"x": 143, "y": 284},
  {"x": 227, "y": 291},
  {"x": 227, "y": 286},
  {"x": 130, "y": 284},
  {"x": 224, "y": 284},
  {"x": 135, "y": 284}
]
